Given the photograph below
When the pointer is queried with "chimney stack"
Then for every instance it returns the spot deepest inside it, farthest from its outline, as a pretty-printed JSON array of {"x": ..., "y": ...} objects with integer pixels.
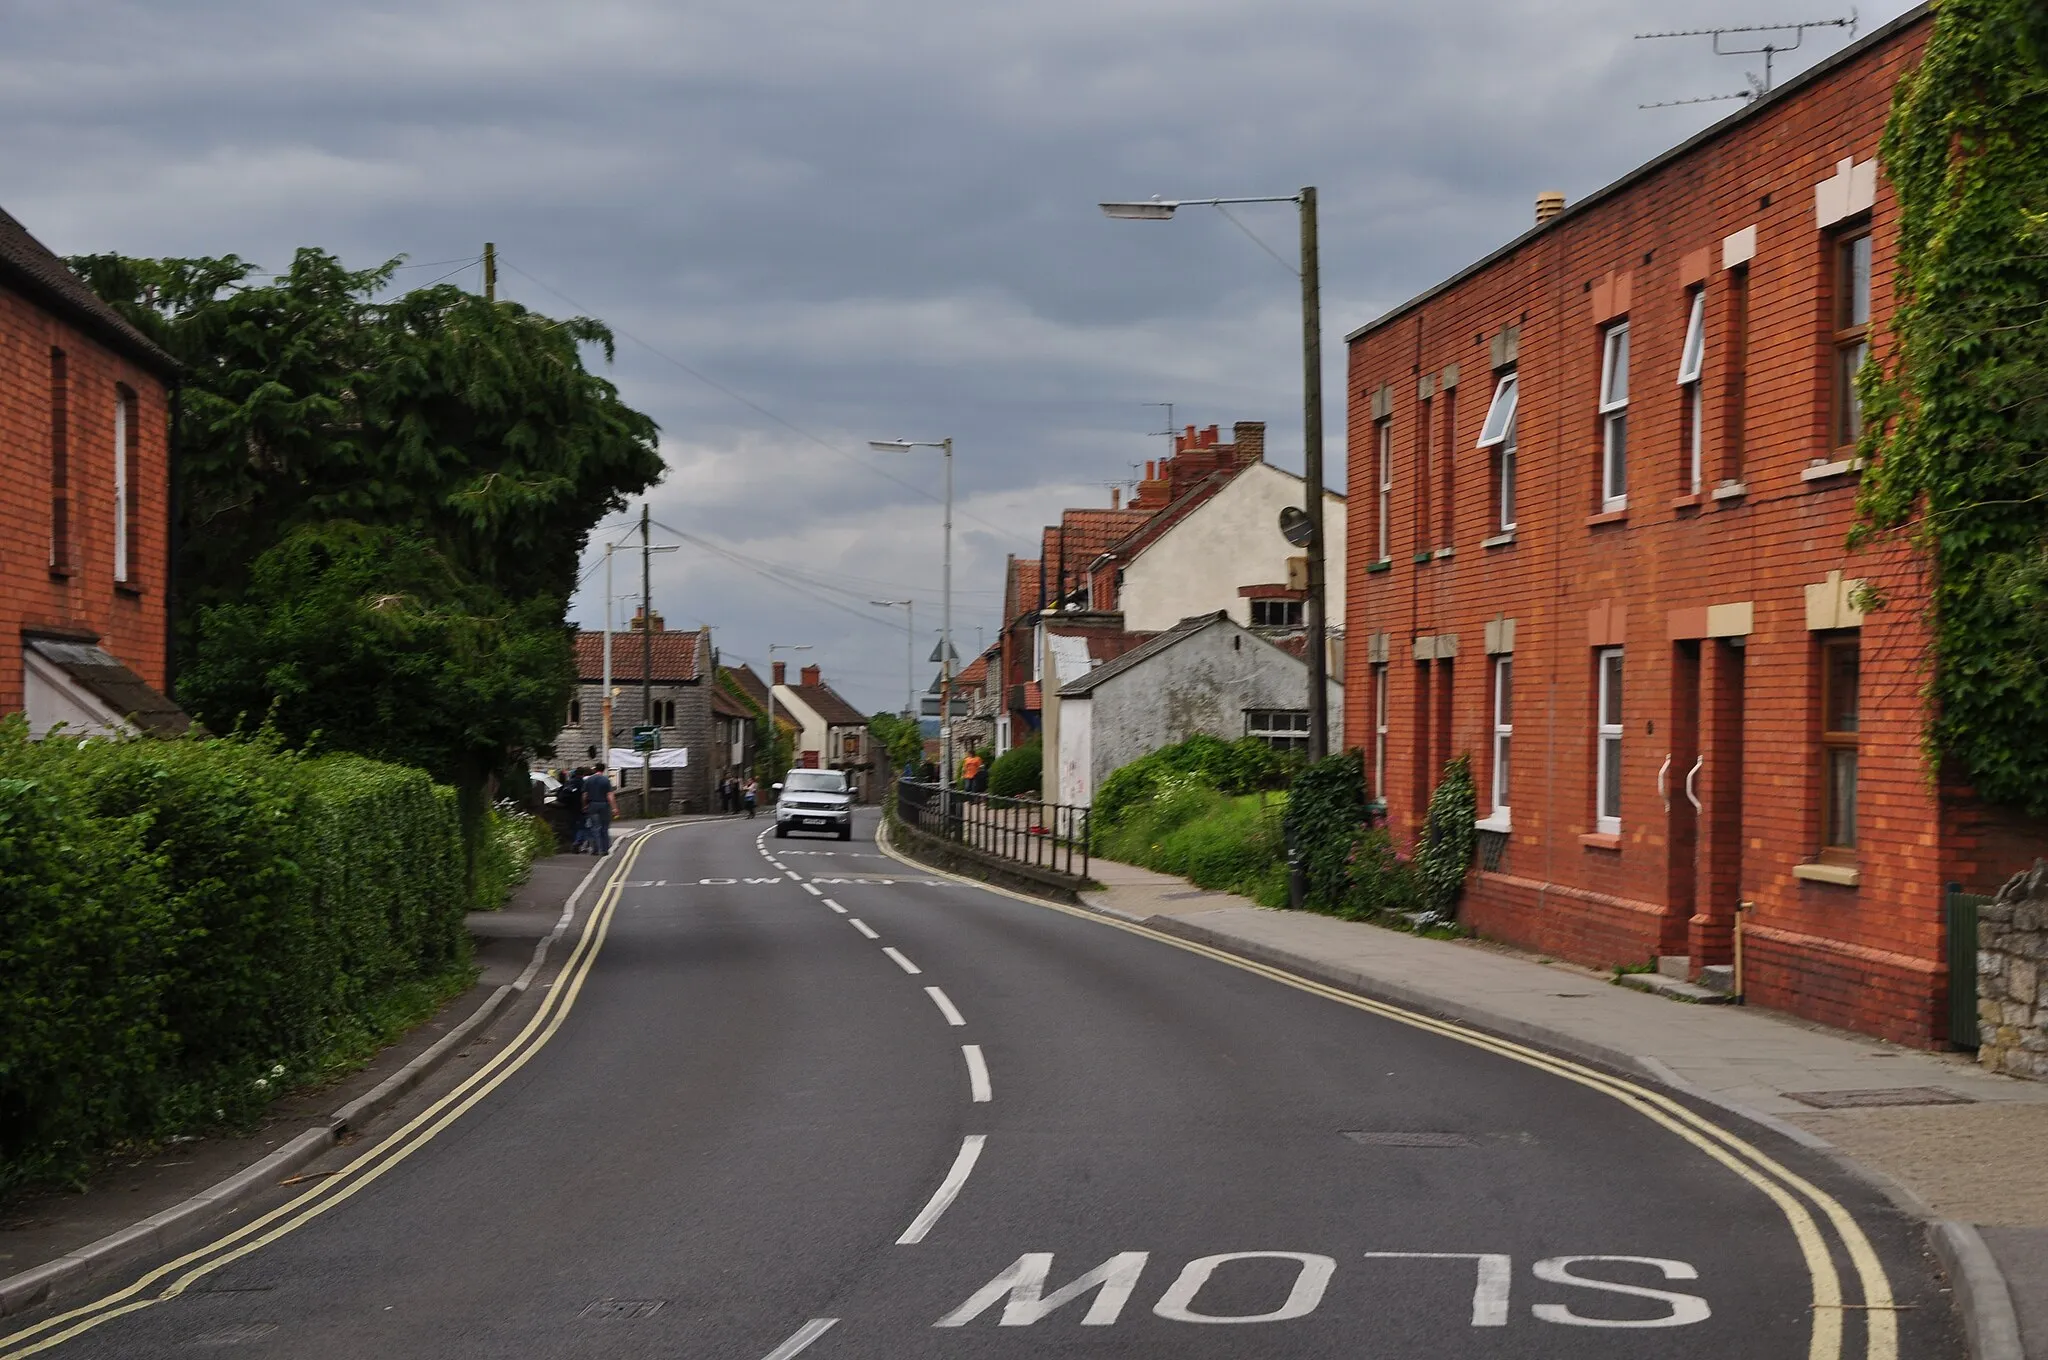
[
  {"x": 781, "y": 669},
  {"x": 1116, "y": 497},
  {"x": 811, "y": 675},
  {"x": 1249, "y": 437},
  {"x": 1549, "y": 204}
]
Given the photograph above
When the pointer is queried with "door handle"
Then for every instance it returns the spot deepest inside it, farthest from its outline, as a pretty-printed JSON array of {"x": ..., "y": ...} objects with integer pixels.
[
  {"x": 1662, "y": 790},
  {"x": 1690, "y": 775}
]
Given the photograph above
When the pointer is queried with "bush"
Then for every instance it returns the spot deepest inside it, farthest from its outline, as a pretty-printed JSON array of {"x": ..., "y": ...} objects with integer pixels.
[
  {"x": 1244, "y": 766},
  {"x": 1225, "y": 843},
  {"x": 1326, "y": 811},
  {"x": 187, "y": 928},
  {"x": 1017, "y": 771},
  {"x": 511, "y": 842},
  {"x": 1448, "y": 836}
]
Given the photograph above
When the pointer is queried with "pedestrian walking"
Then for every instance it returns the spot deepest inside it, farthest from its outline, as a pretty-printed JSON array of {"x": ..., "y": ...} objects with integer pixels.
[
  {"x": 570, "y": 796},
  {"x": 751, "y": 795},
  {"x": 600, "y": 805}
]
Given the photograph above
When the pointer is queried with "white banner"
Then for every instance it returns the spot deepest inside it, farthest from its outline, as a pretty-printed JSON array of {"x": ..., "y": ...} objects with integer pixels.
[{"x": 625, "y": 758}]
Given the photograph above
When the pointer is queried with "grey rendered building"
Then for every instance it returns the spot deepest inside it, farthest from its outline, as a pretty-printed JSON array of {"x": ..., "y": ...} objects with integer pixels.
[{"x": 681, "y": 706}]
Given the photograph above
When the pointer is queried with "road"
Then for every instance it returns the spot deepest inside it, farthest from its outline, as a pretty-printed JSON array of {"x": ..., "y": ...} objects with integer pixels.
[{"x": 793, "y": 1097}]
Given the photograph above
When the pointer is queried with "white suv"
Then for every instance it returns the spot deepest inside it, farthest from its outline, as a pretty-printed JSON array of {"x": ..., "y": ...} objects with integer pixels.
[{"x": 814, "y": 800}]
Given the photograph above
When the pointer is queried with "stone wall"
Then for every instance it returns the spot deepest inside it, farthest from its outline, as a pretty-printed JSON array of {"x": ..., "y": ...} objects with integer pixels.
[{"x": 2012, "y": 954}]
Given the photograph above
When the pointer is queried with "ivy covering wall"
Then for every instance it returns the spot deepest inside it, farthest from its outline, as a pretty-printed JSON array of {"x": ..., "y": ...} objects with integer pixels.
[{"x": 1957, "y": 417}]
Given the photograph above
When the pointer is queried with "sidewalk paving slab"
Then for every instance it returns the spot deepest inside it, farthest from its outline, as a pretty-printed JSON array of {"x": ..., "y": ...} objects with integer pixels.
[{"x": 1755, "y": 1063}]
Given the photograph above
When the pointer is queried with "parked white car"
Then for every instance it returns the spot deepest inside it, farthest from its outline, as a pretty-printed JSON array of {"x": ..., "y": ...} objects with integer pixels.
[{"x": 814, "y": 800}]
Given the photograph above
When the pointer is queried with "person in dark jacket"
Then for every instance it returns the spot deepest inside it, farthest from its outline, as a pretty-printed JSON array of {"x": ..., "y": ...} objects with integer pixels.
[{"x": 571, "y": 798}]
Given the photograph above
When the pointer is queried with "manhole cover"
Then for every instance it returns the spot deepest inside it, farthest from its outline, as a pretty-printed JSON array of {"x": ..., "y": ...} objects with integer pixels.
[
  {"x": 1409, "y": 1139},
  {"x": 1895, "y": 1095},
  {"x": 610, "y": 1309}
]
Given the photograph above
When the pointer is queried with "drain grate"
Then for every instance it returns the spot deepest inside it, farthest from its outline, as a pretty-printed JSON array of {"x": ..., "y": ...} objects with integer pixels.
[
  {"x": 1863, "y": 1100},
  {"x": 618, "y": 1309},
  {"x": 1409, "y": 1139}
]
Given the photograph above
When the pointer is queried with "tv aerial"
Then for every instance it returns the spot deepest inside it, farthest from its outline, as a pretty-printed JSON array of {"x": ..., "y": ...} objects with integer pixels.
[{"x": 1768, "y": 50}]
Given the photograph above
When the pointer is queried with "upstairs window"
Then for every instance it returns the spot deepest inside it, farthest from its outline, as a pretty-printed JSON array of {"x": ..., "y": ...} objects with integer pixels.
[
  {"x": 1379, "y": 733},
  {"x": 1852, "y": 334},
  {"x": 1386, "y": 487},
  {"x": 60, "y": 463},
  {"x": 1283, "y": 729},
  {"x": 1498, "y": 434},
  {"x": 1276, "y": 613},
  {"x": 1503, "y": 731},
  {"x": 1614, "y": 417},
  {"x": 124, "y": 485},
  {"x": 1691, "y": 362},
  {"x": 575, "y": 713}
]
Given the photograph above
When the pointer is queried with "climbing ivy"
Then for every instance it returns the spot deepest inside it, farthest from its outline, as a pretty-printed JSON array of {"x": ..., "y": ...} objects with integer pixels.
[{"x": 1957, "y": 417}]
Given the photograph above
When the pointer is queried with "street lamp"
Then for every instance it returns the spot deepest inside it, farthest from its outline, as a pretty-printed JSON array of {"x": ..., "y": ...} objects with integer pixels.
[
  {"x": 775, "y": 741},
  {"x": 946, "y": 620},
  {"x": 1159, "y": 210},
  {"x": 909, "y": 651}
]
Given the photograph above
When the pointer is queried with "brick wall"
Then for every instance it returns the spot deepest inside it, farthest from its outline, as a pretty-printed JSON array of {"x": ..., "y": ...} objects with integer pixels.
[
  {"x": 130, "y": 621},
  {"x": 1706, "y": 594}
]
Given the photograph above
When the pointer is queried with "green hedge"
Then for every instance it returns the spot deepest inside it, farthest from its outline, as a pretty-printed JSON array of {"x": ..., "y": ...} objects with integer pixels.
[
  {"x": 1017, "y": 771},
  {"x": 188, "y": 928}
]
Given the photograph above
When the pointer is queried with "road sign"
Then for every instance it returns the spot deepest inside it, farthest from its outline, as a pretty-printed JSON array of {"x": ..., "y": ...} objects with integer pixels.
[{"x": 647, "y": 738}]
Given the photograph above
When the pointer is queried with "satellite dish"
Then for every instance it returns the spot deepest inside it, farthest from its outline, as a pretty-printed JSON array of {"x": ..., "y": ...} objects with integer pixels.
[{"x": 1295, "y": 526}]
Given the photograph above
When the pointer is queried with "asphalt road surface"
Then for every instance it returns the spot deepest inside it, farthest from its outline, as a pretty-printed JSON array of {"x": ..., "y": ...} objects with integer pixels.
[{"x": 795, "y": 1097}]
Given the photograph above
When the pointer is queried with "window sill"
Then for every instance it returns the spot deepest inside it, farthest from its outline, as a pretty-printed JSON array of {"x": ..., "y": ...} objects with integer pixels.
[
  {"x": 1499, "y": 540},
  {"x": 1499, "y": 821},
  {"x": 60, "y": 573},
  {"x": 1384, "y": 564},
  {"x": 1841, "y": 875},
  {"x": 1601, "y": 840},
  {"x": 1821, "y": 472},
  {"x": 128, "y": 589},
  {"x": 1730, "y": 491},
  {"x": 1423, "y": 557},
  {"x": 1442, "y": 553},
  {"x": 1607, "y": 517},
  {"x": 1681, "y": 504}
]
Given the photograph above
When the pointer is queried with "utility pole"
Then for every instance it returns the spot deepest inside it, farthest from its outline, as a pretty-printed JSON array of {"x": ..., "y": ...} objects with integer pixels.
[
  {"x": 646, "y": 661},
  {"x": 490, "y": 272},
  {"x": 1312, "y": 474}
]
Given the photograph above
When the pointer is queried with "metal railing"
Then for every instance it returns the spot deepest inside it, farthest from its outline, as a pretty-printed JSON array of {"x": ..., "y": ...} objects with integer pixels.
[{"x": 1022, "y": 830}]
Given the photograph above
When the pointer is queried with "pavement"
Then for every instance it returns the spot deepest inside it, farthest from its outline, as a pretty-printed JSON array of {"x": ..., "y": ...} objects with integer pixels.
[
  {"x": 1931, "y": 1158},
  {"x": 773, "y": 1097}
]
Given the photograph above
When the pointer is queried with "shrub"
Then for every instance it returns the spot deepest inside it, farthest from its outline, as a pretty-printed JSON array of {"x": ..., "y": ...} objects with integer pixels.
[
  {"x": 189, "y": 927},
  {"x": 1448, "y": 835},
  {"x": 1230, "y": 844},
  {"x": 511, "y": 842},
  {"x": 1244, "y": 766},
  {"x": 1017, "y": 771},
  {"x": 1326, "y": 809}
]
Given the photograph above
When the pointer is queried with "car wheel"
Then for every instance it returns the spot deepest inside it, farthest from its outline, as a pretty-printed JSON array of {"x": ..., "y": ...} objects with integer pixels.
[
  {"x": 781, "y": 832},
  {"x": 846, "y": 832}
]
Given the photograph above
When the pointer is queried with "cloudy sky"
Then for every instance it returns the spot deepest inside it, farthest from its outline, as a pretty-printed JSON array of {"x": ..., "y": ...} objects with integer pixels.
[{"x": 820, "y": 223}]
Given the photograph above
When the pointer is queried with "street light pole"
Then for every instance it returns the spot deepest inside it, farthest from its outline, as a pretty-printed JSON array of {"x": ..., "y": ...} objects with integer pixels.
[
  {"x": 775, "y": 741},
  {"x": 1158, "y": 210},
  {"x": 909, "y": 652},
  {"x": 946, "y": 619}
]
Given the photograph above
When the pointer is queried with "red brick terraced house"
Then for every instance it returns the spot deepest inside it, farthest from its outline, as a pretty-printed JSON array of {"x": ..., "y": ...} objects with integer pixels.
[
  {"x": 1601, "y": 485},
  {"x": 85, "y": 554}
]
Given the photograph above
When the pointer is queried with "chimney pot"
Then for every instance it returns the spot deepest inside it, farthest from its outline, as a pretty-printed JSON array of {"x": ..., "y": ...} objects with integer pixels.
[
  {"x": 781, "y": 669},
  {"x": 1549, "y": 204},
  {"x": 1116, "y": 497}
]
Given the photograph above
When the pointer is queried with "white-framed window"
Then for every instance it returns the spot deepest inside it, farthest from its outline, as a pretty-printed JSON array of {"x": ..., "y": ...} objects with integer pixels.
[
  {"x": 1852, "y": 333},
  {"x": 1498, "y": 434},
  {"x": 1614, "y": 417},
  {"x": 1277, "y": 613},
  {"x": 1379, "y": 732},
  {"x": 1283, "y": 729},
  {"x": 1386, "y": 490},
  {"x": 1503, "y": 731},
  {"x": 1607, "y": 762},
  {"x": 1691, "y": 362},
  {"x": 122, "y": 472}
]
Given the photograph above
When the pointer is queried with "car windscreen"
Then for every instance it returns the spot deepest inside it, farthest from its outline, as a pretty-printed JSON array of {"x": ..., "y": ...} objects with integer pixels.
[{"x": 815, "y": 781}]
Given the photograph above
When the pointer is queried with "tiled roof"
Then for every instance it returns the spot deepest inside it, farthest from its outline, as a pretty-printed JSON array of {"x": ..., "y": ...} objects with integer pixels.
[
  {"x": 1087, "y": 533},
  {"x": 1142, "y": 537},
  {"x": 1022, "y": 588},
  {"x": 30, "y": 268},
  {"x": 1034, "y": 697},
  {"x": 675, "y": 657},
  {"x": 824, "y": 701},
  {"x": 1151, "y": 647},
  {"x": 114, "y": 685},
  {"x": 749, "y": 684},
  {"x": 725, "y": 706},
  {"x": 974, "y": 673}
]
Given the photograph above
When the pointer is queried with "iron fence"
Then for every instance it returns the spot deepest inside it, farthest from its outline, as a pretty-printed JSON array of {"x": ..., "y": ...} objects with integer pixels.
[{"x": 1021, "y": 830}]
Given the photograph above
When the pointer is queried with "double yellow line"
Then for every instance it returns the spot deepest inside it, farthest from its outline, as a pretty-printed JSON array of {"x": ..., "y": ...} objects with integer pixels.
[
  {"x": 1797, "y": 1198},
  {"x": 364, "y": 1170}
]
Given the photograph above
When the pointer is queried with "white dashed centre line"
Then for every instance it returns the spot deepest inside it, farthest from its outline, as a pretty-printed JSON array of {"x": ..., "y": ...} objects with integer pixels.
[
  {"x": 814, "y": 890},
  {"x": 977, "y": 1074},
  {"x": 835, "y": 906},
  {"x": 805, "y": 1335},
  {"x": 948, "y": 1191},
  {"x": 946, "y": 1006},
  {"x": 863, "y": 927},
  {"x": 905, "y": 964},
  {"x": 794, "y": 878}
]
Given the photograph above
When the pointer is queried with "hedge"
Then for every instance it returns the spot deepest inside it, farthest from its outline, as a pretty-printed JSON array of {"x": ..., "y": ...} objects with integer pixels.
[{"x": 188, "y": 928}]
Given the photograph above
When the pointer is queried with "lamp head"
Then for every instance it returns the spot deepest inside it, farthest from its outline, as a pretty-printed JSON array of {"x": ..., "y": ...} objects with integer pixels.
[
  {"x": 1156, "y": 210},
  {"x": 890, "y": 445}
]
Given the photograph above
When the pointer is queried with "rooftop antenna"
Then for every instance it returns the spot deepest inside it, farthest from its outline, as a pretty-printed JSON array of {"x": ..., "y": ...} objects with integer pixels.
[
  {"x": 1169, "y": 431},
  {"x": 1768, "y": 50}
]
